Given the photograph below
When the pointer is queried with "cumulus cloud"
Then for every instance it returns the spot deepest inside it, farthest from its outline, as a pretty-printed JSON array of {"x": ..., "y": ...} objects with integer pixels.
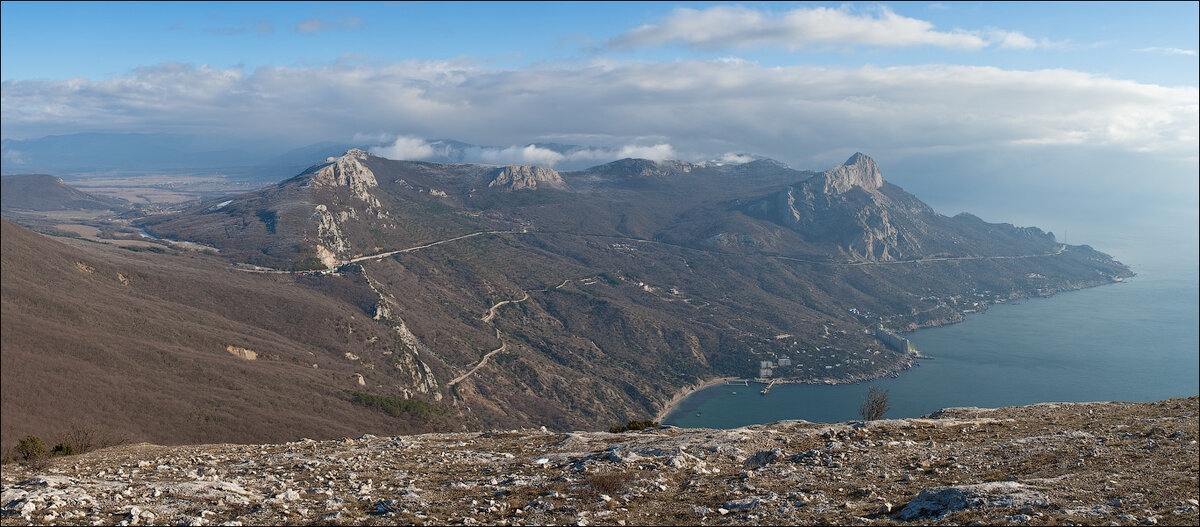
[
  {"x": 572, "y": 156},
  {"x": 723, "y": 27},
  {"x": 693, "y": 109},
  {"x": 516, "y": 155},
  {"x": 405, "y": 147},
  {"x": 659, "y": 152}
]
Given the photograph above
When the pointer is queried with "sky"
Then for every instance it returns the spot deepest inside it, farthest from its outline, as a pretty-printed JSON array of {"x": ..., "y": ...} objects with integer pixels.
[{"x": 1069, "y": 99}]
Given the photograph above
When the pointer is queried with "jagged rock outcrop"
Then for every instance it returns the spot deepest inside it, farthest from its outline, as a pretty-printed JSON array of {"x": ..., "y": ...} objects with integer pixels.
[
  {"x": 526, "y": 177},
  {"x": 858, "y": 171},
  {"x": 849, "y": 205},
  {"x": 332, "y": 247},
  {"x": 1046, "y": 464},
  {"x": 350, "y": 172}
]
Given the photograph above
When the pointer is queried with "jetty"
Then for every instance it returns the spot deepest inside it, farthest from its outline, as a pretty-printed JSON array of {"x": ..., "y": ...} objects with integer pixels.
[{"x": 767, "y": 390}]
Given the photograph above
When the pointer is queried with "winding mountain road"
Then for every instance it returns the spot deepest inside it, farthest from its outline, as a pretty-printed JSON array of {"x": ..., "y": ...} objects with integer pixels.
[
  {"x": 491, "y": 314},
  {"x": 482, "y": 362}
]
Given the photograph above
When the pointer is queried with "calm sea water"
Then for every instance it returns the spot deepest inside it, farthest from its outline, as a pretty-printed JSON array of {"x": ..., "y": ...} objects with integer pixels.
[{"x": 1131, "y": 341}]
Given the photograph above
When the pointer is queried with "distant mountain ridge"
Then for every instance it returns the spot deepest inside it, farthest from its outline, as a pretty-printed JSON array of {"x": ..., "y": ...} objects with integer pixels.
[
  {"x": 42, "y": 192},
  {"x": 520, "y": 295}
]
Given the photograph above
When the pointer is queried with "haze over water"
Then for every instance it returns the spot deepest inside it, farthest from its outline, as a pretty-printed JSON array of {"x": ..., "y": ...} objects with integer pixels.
[{"x": 1132, "y": 341}]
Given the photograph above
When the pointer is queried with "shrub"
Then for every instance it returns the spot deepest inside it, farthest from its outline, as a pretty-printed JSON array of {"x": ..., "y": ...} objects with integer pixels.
[
  {"x": 63, "y": 449},
  {"x": 395, "y": 406},
  {"x": 610, "y": 482},
  {"x": 31, "y": 448},
  {"x": 311, "y": 263},
  {"x": 83, "y": 438},
  {"x": 874, "y": 405},
  {"x": 633, "y": 425}
]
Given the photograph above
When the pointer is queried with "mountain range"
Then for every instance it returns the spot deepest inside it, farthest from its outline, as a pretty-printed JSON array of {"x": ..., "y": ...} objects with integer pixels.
[{"x": 418, "y": 295}]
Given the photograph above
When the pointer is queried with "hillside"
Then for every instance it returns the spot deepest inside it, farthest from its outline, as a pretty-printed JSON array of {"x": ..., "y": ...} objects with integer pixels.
[
  {"x": 41, "y": 192},
  {"x": 179, "y": 347},
  {"x": 1046, "y": 464}
]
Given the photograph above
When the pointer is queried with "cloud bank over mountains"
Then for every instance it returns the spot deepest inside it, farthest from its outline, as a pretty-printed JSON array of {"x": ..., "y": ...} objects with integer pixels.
[
  {"x": 556, "y": 155},
  {"x": 697, "y": 108}
]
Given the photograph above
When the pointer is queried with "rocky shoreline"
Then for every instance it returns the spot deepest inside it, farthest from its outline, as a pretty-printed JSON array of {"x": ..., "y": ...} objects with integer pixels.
[{"x": 1051, "y": 463}]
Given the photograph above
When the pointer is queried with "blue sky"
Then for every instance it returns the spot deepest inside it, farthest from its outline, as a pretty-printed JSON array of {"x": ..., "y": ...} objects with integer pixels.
[
  {"x": 98, "y": 40},
  {"x": 805, "y": 83}
]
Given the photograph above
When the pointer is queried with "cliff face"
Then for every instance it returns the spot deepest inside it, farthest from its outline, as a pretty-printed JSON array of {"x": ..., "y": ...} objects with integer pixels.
[
  {"x": 525, "y": 177},
  {"x": 350, "y": 172},
  {"x": 1053, "y": 463},
  {"x": 858, "y": 171}
]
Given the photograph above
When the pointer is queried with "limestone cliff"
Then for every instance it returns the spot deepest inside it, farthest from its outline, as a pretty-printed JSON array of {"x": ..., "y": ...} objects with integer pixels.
[
  {"x": 525, "y": 177},
  {"x": 858, "y": 171},
  {"x": 849, "y": 205},
  {"x": 350, "y": 172}
]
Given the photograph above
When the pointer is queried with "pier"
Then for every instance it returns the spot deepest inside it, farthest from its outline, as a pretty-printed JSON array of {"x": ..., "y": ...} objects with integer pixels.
[{"x": 768, "y": 388}]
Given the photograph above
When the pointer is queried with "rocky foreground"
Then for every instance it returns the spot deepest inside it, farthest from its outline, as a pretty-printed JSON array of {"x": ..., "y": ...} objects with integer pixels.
[{"x": 1055, "y": 463}]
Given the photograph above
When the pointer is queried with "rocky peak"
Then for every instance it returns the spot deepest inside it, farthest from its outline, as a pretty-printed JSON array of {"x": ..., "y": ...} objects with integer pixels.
[
  {"x": 858, "y": 171},
  {"x": 526, "y": 177},
  {"x": 347, "y": 171}
]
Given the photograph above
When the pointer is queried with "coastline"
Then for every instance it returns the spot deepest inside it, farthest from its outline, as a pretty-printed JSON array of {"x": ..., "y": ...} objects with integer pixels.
[
  {"x": 831, "y": 381},
  {"x": 684, "y": 393},
  {"x": 912, "y": 360}
]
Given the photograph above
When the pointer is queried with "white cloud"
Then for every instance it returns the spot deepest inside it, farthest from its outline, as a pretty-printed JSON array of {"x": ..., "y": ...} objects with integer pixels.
[
  {"x": 723, "y": 27},
  {"x": 317, "y": 25},
  {"x": 517, "y": 155},
  {"x": 1169, "y": 51},
  {"x": 733, "y": 158},
  {"x": 659, "y": 152},
  {"x": 1011, "y": 39},
  {"x": 405, "y": 147},
  {"x": 689, "y": 109}
]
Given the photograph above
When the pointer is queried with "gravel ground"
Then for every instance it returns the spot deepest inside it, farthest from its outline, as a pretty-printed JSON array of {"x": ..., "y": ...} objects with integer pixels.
[{"x": 1054, "y": 463}]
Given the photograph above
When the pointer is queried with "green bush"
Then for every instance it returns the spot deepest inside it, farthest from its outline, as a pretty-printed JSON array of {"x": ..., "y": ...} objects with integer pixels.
[
  {"x": 633, "y": 425},
  {"x": 31, "y": 448},
  {"x": 311, "y": 263},
  {"x": 395, "y": 406},
  {"x": 63, "y": 449}
]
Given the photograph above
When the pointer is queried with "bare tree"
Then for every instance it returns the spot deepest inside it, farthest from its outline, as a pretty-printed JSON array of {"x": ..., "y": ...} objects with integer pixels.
[{"x": 874, "y": 405}]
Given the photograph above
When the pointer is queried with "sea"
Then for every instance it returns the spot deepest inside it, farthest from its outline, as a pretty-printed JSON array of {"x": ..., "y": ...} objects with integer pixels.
[{"x": 1137, "y": 340}]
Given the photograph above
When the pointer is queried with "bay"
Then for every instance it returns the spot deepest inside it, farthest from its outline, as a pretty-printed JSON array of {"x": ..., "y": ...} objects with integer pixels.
[{"x": 1131, "y": 341}]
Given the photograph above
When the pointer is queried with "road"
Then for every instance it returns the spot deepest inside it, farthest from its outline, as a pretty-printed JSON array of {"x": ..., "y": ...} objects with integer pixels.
[
  {"x": 419, "y": 247},
  {"x": 482, "y": 362},
  {"x": 491, "y": 314}
]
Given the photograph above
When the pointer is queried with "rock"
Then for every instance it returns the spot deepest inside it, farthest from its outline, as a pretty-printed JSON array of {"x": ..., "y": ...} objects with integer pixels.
[
  {"x": 858, "y": 171},
  {"x": 348, "y": 171},
  {"x": 525, "y": 177},
  {"x": 936, "y": 502},
  {"x": 241, "y": 353},
  {"x": 764, "y": 457}
]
